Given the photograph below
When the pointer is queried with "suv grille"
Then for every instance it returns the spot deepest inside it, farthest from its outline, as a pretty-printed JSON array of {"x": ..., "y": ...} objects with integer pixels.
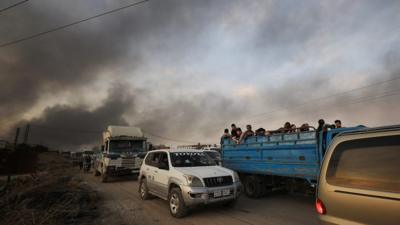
[{"x": 218, "y": 181}]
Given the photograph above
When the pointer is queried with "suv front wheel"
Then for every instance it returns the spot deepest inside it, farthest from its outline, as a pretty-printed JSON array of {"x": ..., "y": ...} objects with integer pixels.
[
  {"x": 177, "y": 206},
  {"x": 143, "y": 190}
]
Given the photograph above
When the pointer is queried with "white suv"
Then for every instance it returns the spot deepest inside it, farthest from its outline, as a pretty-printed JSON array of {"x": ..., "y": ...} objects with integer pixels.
[{"x": 187, "y": 178}]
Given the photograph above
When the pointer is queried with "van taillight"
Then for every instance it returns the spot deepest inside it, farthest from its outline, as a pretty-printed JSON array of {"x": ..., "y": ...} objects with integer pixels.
[{"x": 319, "y": 206}]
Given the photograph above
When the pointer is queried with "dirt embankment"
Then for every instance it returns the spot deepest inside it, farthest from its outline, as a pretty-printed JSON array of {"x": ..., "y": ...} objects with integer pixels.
[{"x": 55, "y": 195}]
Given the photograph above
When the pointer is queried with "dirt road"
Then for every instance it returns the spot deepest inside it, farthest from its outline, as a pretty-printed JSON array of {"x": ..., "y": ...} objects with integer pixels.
[{"x": 121, "y": 205}]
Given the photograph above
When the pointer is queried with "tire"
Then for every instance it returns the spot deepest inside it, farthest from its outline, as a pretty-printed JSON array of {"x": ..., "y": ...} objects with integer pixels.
[
  {"x": 176, "y": 203},
  {"x": 262, "y": 187},
  {"x": 252, "y": 187},
  {"x": 144, "y": 190}
]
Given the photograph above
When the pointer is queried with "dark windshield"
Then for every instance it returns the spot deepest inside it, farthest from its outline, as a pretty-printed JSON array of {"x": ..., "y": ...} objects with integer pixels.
[
  {"x": 213, "y": 155},
  {"x": 120, "y": 146},
  {"x": 191, "y": 159}
]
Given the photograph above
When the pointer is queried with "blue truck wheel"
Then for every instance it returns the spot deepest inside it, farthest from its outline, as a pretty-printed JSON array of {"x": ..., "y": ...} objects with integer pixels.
[{"x": 254, "y": 187}]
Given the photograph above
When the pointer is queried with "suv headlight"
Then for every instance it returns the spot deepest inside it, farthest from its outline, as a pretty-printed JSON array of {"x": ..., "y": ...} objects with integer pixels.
[
  {"x": 193, "y": 181},
  {"x": 236, "y": 177}
]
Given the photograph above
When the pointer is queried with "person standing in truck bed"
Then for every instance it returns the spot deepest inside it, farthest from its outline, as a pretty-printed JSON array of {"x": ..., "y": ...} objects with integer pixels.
[
  {"x": 233, "y": 130},
  {"x": 338, "y": 124},
  {"x": 236, "y": 138},
  {"x": 249, "y": 132},
  {"x": 225, "y": 135},
  {"x": 260, "y": 132}
]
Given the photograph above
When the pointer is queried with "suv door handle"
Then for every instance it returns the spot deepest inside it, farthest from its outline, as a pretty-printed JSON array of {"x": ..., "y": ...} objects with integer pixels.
[{"x": 155, "y": 171}]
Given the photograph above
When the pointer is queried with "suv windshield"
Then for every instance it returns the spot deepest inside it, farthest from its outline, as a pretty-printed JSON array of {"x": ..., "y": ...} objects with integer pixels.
[
  {"x": 122, "y": 146},
  {"x": 191, "y": 159}
]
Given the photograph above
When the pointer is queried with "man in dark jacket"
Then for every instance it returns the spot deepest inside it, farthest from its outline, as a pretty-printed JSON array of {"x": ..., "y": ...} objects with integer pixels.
[{"x": 233, "y": 130}]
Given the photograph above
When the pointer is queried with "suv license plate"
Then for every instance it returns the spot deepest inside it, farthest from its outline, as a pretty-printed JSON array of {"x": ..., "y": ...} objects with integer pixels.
[
  {"x": 217, "y": 193},
  {"x": 226, "y": 192},
  {"x": 220, "y": 193}
]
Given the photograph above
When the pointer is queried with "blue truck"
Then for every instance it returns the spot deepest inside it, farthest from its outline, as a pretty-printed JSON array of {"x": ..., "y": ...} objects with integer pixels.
[{"x": 283, "y": 161}]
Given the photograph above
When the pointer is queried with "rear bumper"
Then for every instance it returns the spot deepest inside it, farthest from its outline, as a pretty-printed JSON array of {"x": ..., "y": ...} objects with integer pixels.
[{"x": 204, "y": 195}]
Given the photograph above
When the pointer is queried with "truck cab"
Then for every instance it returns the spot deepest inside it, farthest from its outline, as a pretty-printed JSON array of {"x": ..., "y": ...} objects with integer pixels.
[{"x": 122, "y": 152}]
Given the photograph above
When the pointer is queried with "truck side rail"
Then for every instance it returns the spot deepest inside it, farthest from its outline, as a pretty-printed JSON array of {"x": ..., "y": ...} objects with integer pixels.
[
  {"x": 292, "y": 130},
  {"x": 305, "y": 137},
  {"x": 287, "y": 154}
]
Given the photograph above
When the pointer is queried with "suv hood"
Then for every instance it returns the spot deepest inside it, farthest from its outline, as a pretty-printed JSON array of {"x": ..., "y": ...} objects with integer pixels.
[{"x": 205, "y": 171}]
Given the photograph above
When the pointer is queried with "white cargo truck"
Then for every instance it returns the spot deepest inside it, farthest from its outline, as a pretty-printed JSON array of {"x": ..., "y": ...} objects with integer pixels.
[{"x": 122, "y": 152}]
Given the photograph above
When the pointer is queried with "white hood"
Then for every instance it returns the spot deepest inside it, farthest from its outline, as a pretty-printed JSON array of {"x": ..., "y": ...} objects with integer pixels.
[{"x": 205, "y": 171}]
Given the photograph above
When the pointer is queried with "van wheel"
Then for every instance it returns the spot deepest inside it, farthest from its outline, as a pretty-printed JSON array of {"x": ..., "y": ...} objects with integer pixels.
[
  {"x": 177, "y": 206},
  {"x": 143, "y": 190},
  {"x": 252, "y": 187}
]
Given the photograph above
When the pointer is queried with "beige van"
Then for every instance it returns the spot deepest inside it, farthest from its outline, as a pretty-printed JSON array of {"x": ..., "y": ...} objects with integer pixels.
[{"x": 360, "y": 178}]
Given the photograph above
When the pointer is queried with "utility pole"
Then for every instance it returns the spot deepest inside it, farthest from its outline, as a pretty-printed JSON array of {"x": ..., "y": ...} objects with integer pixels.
[
  {"x": 16, "y": 138},
  {"x": 15, "y": 148},
  {"x": 26, "y": 133}
]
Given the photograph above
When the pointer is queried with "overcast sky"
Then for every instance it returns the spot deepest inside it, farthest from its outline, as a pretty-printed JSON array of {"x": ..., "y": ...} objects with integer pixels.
[{"x": 185, "y": 70}]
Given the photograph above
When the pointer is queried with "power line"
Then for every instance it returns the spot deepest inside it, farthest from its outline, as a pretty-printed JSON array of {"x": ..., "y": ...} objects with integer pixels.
[
  {"x": 357, "y": 101},
  {"x": 170, "y": 139},
  {"x": 374, "y": 98},
  {"x": 12, "y": 6},
  {"x": 70, "y": 24},
  {"x": 325, "y": 97}
]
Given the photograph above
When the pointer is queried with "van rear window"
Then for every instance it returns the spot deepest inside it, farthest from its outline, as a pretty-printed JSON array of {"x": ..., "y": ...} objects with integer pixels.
[{"x": 370, "y": 163}]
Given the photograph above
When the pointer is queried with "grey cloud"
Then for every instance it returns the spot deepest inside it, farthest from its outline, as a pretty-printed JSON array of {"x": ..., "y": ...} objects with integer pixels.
[
  {"x": 373, "y": 103},
  {"x": 72, "y": 58},
  {"x": 64, "y": 126},
  {"x": 75, "y": 57},
  {"x": 169, "y": 34},
  {"x": 198, "y": 118}
]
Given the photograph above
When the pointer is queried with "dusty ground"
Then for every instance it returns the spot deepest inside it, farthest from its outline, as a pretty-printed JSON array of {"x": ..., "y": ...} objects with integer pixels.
[
  {"x": 121, "y": 205},
  {"x": 54, "y": 195},
  {"x": 64, "y": 195}
]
